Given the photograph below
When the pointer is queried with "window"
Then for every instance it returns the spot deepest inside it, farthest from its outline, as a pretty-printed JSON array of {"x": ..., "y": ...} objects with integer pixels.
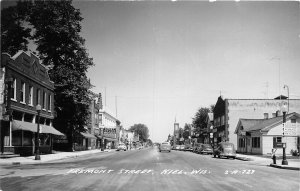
[
  {"x": 273, "y": 114},
  {"x": 14, "y": 89},
  {"x": 266, "y": 116},
  {"x": 242, "y": 143},
  {"x": 223, "y": 120},
  {"x": 276, "y": 140},
  {"x": 30, "y": 100},
  {"x": 22, "y": 92},
  {"x": 256, "y": 142},
  {"x": 293, "y": 120},
  {"x": 49, "y": 102},
  {"x": 44, "y": 100},
  {"x": 38, "y": 99}
]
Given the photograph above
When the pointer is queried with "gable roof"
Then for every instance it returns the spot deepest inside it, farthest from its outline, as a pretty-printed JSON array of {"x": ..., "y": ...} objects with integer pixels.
[
  {"x": 262, "y": 124},
  {"x": 268, "y": 124},
  {"x": 247, "y": 124}
]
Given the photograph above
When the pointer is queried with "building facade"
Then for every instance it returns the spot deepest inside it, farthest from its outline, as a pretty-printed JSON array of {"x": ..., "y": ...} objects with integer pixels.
[
  {"x": 260, "y": 136},
  {"x": 26, "y": 85},
  {"x": 227, "y": 113}
]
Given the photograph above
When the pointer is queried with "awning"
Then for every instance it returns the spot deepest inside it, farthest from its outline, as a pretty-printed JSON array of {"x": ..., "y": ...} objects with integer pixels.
[
  {"x": 88, "y": 135},
  {"x": 26, "y": 126},
  {"x": 110, "y": 139}
]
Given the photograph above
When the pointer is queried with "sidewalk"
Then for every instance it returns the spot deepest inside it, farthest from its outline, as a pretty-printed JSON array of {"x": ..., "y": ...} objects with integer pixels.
[
  {"x": 293, "y": 162},
  {"x": 48, "y": 157}
]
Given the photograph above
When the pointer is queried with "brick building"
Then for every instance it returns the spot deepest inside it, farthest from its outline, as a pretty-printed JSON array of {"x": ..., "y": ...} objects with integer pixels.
[{"x": 25, "y": 84}]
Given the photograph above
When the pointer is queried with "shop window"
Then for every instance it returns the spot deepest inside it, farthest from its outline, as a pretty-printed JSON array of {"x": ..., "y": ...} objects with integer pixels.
[
  {"x": 48, "y": 122},
  {"x": 27, "y": 138},
  {"x": 45, "y": 139},
  {"x": 242, "y": 143},
  {"x": 16, "y": 138},
  {"x": 17, "y": 115},
  {"x": 256, "y": 142},
  {"x": 28, "y": 117}
]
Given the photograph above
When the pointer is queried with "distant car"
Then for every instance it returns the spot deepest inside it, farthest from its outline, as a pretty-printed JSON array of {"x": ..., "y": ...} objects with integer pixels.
[
  {"x": 206, "y": 149},
  {"x": 181, "y": 147},
  {"x": 121, "y": 147},
  {"x": 225, "y": 149},
  {"x": 196, "y": 147},
  {"x": 188, "y": 147},
  {"x": 177, "y": 147},
  {"x": 165, "y": 146}
]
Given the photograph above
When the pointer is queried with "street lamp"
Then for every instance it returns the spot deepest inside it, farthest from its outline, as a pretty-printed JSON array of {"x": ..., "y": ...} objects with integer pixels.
[
  {"x": 284, "y": 161},
  {"x": 288, "y": 91},
  {"x": 37, "y": 141}
]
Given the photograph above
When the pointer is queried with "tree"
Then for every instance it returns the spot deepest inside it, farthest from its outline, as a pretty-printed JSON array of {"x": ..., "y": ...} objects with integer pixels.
[
  {"x": 142, "y": 130},
  {"x": 14, "y": 34},
  {"x": 56, "y": 27},
  {"x": 186, "y": 131},
  {"x": 199, "y": 121}
]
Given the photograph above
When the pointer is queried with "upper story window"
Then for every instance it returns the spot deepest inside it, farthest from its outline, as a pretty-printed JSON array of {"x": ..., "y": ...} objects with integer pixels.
[
  {"x": 22, "y": 92},
  {"x": 44, "y": 100},
  {"x": 30, "y": 96},
  {"x": 14, "y": 89},
  {"x": 293, "y": 120},
  {"x": 49, "y": 102},
  {"x": 38, "y": 96}
]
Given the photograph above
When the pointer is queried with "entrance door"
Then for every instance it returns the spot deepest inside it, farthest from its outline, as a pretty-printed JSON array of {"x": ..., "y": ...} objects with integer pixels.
[{"x": 248, "y": 147}]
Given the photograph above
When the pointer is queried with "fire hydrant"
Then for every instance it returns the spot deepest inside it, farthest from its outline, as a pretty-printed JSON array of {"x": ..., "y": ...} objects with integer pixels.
[{"x": 274, "y": 156}]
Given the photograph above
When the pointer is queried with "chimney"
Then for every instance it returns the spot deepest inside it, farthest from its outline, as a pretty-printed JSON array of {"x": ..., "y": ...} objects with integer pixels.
[{"x": 100, "y": 101}]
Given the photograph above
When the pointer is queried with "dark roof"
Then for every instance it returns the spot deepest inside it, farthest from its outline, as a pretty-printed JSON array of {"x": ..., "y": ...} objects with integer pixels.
[
  {"x": 281, "y": 97},
  {"x": 268, "y": 124},
  {"x": 248, "y": 123}
]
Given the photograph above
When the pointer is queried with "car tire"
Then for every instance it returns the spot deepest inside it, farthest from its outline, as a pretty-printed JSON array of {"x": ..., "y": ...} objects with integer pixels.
[
  {"x": 219, "y": 156},
  {"x": 214, "y": 156}
]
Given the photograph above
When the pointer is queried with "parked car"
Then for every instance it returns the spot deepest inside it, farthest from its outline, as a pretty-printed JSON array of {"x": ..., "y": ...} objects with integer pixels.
[
  {"x": 225, "y": 149},
  {"x": 165, "y": 146},
  {"x": 181, "y": 147},
  {"x": 177, "y": 147},
  {"x": 188, "y": 147},
  {"x": 121, "y": 147},
  {"x": 196, "y": 147},
  {"x": 206, "y": 149}
]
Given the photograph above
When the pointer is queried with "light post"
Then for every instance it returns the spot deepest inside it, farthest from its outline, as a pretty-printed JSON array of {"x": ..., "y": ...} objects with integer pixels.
[
  {"x": 37, "y": 141},
  {"x": 284, "y": 161},
  {"x": 288, "y": 91}
]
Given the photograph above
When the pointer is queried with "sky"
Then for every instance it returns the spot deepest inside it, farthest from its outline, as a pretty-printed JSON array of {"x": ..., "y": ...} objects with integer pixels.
[{"x": 160, "y": 61}]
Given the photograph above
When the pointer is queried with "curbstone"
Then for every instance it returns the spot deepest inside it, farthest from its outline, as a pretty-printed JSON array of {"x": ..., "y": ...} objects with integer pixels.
[{"x": 285, "y": 167}]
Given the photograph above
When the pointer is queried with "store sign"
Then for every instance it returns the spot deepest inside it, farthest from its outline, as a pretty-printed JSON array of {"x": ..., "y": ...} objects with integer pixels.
[{"x": 110, "y": 132}]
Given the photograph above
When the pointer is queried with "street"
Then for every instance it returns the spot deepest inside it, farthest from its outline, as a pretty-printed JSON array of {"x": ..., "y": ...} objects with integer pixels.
[{"x": 147, "y": 169}]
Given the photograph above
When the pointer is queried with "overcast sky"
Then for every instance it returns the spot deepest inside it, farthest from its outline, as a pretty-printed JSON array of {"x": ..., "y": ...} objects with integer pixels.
[{"x": 167, "y": 59}]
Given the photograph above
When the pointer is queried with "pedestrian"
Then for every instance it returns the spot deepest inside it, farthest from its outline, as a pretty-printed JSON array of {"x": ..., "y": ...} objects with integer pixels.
[{"x": 273, "y": 156}]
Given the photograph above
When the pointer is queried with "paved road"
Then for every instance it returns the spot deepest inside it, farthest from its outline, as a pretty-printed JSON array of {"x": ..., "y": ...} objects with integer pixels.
[{"x": 147, "y": 170}]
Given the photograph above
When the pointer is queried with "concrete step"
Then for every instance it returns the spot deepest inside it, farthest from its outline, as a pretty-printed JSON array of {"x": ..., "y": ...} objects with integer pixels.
[{"x": 8, "y": 155}]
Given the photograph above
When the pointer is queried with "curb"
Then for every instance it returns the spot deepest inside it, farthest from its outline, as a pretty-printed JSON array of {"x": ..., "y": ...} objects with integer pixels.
[
  {"x": 284, "y": 167},
  {"x": 243, "y": 158},
  {"x": 41, "y": 162}
]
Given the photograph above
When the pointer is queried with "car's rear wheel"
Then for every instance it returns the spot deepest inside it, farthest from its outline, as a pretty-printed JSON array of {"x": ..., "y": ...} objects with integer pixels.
[{"x": 219, "y": 156}]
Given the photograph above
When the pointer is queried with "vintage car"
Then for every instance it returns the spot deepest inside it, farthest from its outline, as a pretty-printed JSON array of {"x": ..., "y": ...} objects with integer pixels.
[
  {"x": 165, "y": 146},
  {"x": 196, "y": 147},
  {"x": 225, "y": 149},
  {"x": 205, "y": 149},
  {"x": 188, "y": 147}
]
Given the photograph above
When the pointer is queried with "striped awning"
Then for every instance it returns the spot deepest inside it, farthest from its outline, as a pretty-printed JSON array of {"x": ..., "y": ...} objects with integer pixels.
[{"x": 26, "y": 126}]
